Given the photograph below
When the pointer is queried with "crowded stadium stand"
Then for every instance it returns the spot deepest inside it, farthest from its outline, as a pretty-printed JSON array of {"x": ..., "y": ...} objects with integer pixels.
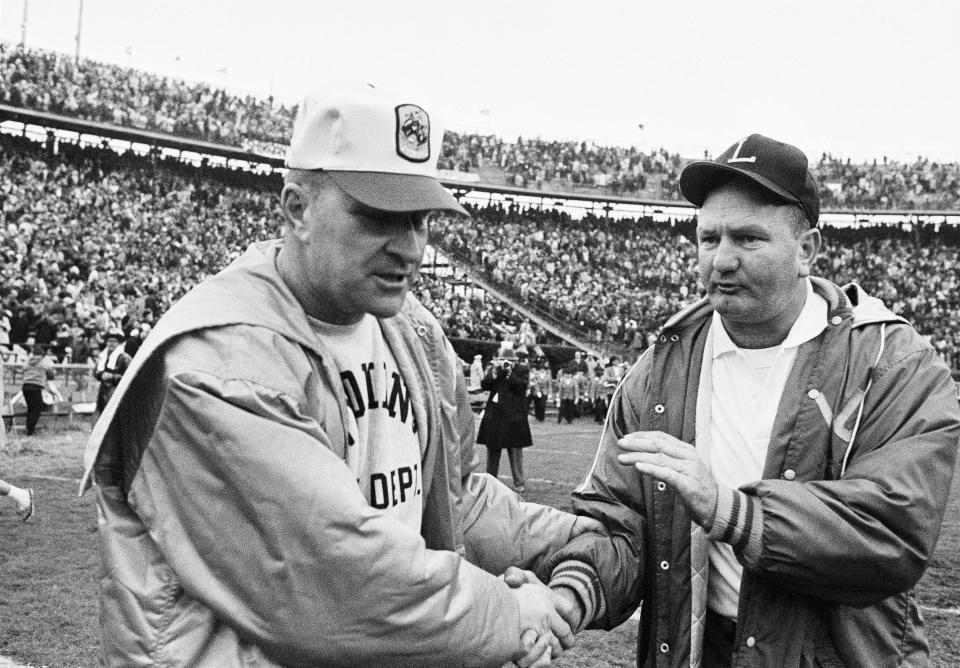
[
  {"x": 120, "y": 190},
  {"x": 47, "y": 81}
]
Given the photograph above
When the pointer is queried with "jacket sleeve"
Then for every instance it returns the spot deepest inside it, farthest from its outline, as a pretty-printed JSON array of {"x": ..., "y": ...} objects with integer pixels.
[
  {"x": 606, "y": 570},
  {"x": 868, "y": 535},
  {"x": 297, "y": 561}
]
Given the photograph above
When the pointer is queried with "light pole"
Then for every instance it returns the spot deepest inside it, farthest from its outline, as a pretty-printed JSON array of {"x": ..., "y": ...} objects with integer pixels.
[
  {"x": 79, "y": 27},
  {"x": 23, "y": 24}
]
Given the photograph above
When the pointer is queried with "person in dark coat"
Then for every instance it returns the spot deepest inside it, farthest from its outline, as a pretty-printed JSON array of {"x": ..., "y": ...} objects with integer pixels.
[
  {"x": 111, "y": 364},
  {"x": 504, "y": 424}
]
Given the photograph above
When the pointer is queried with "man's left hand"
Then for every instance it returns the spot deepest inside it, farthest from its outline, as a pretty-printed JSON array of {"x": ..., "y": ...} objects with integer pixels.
[{"x": 677, "y": 464}]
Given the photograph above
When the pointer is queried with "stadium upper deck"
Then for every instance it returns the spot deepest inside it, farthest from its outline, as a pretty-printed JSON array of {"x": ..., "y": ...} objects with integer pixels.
[{"x": 48, "y": 81}]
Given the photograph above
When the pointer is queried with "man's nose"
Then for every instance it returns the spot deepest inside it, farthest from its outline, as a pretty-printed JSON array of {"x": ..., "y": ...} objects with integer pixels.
[
  {"x": 725, "y": 259},
  {"x": 409, "y": 242}
]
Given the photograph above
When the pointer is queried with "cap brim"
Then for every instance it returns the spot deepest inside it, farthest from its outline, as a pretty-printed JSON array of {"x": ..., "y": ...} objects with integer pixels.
[
  {"x": 397, "y": 192},
  {"x": 699, "y": 178}
]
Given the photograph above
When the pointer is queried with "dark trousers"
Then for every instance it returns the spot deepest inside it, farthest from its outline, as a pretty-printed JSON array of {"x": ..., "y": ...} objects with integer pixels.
[
  {"x": 567, "y": 410},
  {"x": 515, "y": 455},
  {"x": 600, "y": 409},
  {"x": 539, "y": 407},
  {"x": 33, "y": 395},
  {"x": 718, "y": 636}
]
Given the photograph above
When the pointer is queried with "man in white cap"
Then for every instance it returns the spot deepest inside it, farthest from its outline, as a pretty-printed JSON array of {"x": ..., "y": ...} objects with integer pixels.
[{"x": 286, "y": 474}]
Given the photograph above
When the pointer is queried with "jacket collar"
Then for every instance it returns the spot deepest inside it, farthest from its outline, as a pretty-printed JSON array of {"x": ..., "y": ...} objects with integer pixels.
[{"x": 240, "y": 300}]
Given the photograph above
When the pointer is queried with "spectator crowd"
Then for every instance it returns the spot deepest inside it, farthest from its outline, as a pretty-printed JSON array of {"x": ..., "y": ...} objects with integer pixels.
[
  {"x": 616, "y": 281},
  {"x": 612, "y": 281},
  {"x": 92, "y": 240},
  {"x": 57, "y": 83},
  {"x": 564, "y": 165}
]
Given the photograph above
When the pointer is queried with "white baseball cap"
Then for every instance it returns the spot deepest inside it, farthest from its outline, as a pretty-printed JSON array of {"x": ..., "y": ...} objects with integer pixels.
[{"x": 380, "y": 148}]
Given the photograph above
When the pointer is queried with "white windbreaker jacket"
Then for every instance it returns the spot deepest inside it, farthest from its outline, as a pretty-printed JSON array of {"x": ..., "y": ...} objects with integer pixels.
[{"x": 234, "y": 534}]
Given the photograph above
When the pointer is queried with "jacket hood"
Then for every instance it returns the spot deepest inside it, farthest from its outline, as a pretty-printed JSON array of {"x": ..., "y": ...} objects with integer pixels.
[
  {"x": 867, "y": 309},
  {"x": 848, "y": 301},
  {"x": 231, "y": 291}
]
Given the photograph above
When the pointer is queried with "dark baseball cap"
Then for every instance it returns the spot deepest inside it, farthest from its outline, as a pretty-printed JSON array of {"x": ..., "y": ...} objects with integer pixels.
[{"x": 779, "y": 168}]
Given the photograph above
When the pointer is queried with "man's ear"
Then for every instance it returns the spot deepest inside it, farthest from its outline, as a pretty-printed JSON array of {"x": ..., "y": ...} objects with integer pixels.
[
  {"x": 293, "y": 204},
  {"x": 809, "y": 248}
]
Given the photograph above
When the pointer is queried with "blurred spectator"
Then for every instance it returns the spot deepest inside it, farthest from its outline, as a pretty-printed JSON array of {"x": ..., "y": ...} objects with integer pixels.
[
  {"x": 37, "y": 374},
  {"x": 111, "y": 365},
  {"x": 568, "y": 394},
  {"x": 5, "y": 316},
  {"x": 541, "y": 382},
  {"x": 504, "y": 424},
  {"x": 476, "y": 374}
]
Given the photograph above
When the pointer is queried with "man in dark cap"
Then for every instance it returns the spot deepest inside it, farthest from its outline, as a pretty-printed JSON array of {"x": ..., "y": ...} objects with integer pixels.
[
  {"x": 774, "y": 470},
  {"x": 112, "y": 362}
]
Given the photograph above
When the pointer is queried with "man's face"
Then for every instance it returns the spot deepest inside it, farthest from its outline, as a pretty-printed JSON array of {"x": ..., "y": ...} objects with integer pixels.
[
  {"x": 751, "y": 260},
  {"x": 358, "y": 259}
]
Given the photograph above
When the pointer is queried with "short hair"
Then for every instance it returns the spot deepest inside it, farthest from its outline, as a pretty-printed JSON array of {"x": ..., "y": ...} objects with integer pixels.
[
  {"x": 312, "y": 179},
  {"x": 313, "y": 183}
]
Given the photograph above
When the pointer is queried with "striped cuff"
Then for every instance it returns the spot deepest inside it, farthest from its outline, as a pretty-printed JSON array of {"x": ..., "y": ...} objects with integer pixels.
[
  {"x": 738, "y": 520},
  {"x": 582, "y": 579}
]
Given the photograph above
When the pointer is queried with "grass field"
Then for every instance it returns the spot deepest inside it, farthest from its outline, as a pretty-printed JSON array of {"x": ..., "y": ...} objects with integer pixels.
[{"x": 49, "y": 567}]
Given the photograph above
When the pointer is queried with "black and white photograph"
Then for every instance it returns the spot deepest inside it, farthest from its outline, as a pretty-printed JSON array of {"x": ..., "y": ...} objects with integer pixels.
[{"x": 444, "y": 335}]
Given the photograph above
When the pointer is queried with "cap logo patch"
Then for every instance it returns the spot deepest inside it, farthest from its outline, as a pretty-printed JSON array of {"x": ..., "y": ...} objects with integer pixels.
[
  {"x": 736, "y": 154},
  {"x": 413, "y": 133}
]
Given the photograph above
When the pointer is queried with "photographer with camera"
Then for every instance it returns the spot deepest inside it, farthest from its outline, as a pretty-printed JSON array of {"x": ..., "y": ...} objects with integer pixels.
[{"x": 504, "y": 424}]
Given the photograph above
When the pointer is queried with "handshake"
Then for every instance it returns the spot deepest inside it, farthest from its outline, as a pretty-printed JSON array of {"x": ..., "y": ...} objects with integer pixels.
[{"x": 548, "y": 618}]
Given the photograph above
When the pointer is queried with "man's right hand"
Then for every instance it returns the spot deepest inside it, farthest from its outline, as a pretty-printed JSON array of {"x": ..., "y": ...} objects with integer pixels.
[
  {"x": 568, "y": 605},
  {"x": 538, "y": 613},
  {"x": 539, "y": 654},
  {"x": 565, "y": 601}
]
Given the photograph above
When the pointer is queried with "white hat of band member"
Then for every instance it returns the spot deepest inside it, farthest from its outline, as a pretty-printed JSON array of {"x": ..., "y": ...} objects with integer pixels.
[{"x": 381, "y": 148}]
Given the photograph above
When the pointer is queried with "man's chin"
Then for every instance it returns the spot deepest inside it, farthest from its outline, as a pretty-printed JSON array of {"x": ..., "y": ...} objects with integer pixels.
[
  {"x": 387, "y": 308},
  {"x": 729, "y": 306},
  {"x": 720, "y": 301}
]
